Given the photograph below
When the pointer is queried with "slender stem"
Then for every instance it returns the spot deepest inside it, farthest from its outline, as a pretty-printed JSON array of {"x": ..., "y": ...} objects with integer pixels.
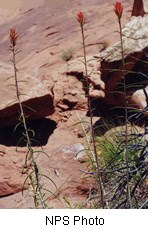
[
  {"x": 129, "y": 204},
  {"x": 19, "y": 100},
  {"x": 38, "y": 190},
  {"x": 100, "y": 182}
]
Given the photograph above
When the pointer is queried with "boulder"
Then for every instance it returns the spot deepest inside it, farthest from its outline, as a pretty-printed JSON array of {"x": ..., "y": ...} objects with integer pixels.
[
  {"x": 135, "y": 44},
  {"x": 139, "y": 98},
  {"x": 37, "y": 100}
]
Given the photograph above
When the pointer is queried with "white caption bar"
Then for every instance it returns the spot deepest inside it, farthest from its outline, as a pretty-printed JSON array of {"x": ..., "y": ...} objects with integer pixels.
[{"x": 73, "y": 220}]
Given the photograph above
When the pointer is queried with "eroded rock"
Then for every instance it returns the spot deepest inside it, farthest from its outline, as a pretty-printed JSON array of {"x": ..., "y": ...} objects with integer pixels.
[
  {"x": 37, "y": 100},
  {"x": 135, "y": 45},
  {"x": 76, "y": 67}
]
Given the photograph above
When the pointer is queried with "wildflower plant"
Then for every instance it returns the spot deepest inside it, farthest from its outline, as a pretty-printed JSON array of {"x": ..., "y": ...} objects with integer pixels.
[
  {"x": 82, "y": 20},
  {"x": 118, "y": 9},
  {"x": 34, "y": 175}
]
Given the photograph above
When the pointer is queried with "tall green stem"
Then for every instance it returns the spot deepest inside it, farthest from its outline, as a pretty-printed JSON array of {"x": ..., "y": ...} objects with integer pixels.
[
  {"x": 129, "y": 204},
  {"x": 29, "y": 146},
  {"x": 100, "y": 182}
]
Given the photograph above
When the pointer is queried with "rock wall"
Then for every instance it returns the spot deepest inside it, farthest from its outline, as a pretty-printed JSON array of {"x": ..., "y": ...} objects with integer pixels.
[{"x": 135, "y": 45}]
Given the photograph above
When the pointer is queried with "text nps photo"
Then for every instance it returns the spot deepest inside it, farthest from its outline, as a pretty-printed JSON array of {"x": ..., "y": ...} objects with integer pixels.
[{"x": 73, "y": 220}]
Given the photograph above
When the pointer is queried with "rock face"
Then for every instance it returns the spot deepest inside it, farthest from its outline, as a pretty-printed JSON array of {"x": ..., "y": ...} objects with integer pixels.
[
  {"x": 135, "y": 45},
  {"x": 43, "y": 42},
  {"x": 11, "y": 180}
]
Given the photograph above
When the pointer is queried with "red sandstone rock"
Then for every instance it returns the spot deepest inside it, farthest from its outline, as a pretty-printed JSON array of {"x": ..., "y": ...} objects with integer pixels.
[
  {"x": 37, "y": 100},
  {"x": 135, "y": 42},
  {"x": 11, "y": 179}
]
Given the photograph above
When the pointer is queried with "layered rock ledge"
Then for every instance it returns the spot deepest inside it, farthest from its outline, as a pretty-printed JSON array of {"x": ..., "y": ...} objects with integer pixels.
[{"x": 37, "y": 100}]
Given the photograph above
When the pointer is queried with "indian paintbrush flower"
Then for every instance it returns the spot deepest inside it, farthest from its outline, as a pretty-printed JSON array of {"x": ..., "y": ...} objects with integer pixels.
[
  {"x": 13, "y": 37},
  {"x": 118, "y": 8},
  {"x": 81, "y": 18}
]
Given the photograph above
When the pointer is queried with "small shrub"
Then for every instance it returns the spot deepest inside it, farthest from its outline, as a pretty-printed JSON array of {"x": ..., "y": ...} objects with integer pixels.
[
  {"x": 67, "y": 54},
  {"x": 111, "y": 151}
]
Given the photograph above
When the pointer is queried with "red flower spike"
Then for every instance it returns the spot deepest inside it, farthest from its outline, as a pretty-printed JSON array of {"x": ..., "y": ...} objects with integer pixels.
[
  {"x": 118, "y": 8},
  {"x": 81, "y": 18},
  {"x": 13, "y": 37}
]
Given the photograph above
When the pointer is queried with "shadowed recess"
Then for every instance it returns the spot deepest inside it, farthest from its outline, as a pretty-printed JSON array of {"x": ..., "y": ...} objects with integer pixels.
[{"x": 39, "y": 132}]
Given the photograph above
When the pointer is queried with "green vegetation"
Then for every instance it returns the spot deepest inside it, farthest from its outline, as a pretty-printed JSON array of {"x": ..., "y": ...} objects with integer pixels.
[{"x": 67, "y": 54}]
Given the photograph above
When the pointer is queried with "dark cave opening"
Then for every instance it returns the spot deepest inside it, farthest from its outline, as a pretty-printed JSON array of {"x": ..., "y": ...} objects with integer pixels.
[{"x": 39, "y": 131}]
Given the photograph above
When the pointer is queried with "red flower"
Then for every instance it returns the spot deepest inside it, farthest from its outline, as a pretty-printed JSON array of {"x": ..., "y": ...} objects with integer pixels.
[
  {"x": 81, "y": 18},
  {"x": 13, "y": 37},
  {"x": 118, "y": 9}
]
